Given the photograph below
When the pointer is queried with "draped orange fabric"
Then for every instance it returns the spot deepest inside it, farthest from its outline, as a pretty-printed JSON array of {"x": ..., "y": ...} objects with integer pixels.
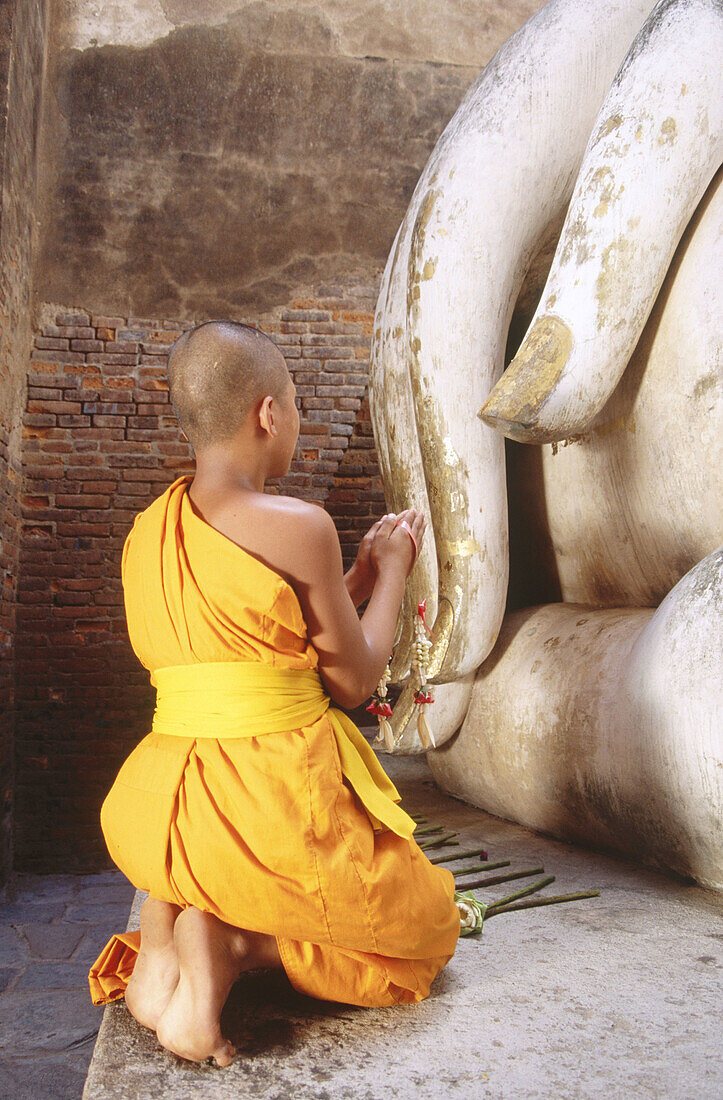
[{"x": 269, "y": 832}]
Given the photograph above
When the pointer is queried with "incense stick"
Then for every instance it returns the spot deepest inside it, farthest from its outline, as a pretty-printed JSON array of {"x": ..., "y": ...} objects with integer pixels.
[
  {"x": 534, "y": 902},
  {"x": 438, "y": 842},
  {"x": 522, "y": 893},
  {"x": 459, "y": 855},
  {"x": 495, "y": 879},
  {"x": 481, "y": 867}
]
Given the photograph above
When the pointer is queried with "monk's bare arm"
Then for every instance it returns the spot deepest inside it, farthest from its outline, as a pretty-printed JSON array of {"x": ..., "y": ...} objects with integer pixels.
[
  {"x": 352, "y": 651},
  {"x": 358, "y": 591}
]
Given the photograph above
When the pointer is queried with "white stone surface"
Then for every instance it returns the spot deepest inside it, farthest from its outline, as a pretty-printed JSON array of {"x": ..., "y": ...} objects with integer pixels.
[
  {"x": 647, "y": 504},
  {"x": 605, "y": 726}
]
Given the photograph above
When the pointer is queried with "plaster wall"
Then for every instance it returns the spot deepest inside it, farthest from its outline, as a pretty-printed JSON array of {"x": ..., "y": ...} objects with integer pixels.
[{"x": 206, "y": 158}]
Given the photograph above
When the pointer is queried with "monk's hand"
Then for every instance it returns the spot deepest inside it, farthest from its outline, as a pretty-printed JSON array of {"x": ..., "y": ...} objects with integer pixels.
[{"x": 363, "y": 572}]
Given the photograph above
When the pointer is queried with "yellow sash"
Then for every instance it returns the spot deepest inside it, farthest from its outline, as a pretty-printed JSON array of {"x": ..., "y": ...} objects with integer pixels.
[{"x": 250, "y": 698}]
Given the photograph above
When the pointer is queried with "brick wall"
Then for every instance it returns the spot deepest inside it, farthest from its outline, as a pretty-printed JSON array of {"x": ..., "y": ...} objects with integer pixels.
[
  {"x": 9, "y": 545},
  {"x": 100, "y": 442},
  {"x": 23, "y": 36}
]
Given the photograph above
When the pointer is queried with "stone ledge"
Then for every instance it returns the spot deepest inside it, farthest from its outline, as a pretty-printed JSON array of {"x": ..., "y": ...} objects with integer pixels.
[{"x": 614, "y": 996}]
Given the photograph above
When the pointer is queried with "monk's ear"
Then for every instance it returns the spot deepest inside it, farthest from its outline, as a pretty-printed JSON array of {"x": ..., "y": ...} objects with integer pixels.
[{"x": 266, "y": 415}]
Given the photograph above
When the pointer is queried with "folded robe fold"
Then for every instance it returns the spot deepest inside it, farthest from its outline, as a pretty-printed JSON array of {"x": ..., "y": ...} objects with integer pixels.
[
  {"x": 110, "y": 972},
  {"x": 252, "y": 797}
]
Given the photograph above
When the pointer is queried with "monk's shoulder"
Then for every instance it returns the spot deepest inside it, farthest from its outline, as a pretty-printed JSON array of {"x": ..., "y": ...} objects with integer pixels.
[
  {"x": 305, "y": 534},
  {"x": 294, "y": 509},
  {"x": 296, "y": 518}
]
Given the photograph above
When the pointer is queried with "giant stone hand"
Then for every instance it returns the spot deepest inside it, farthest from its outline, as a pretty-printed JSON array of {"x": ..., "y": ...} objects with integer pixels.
[{"x": 593, "y": 134}]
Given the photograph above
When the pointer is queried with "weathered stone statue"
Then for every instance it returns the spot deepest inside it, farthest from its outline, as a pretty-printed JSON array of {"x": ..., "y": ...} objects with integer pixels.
[{"x": 592, "y": 137}]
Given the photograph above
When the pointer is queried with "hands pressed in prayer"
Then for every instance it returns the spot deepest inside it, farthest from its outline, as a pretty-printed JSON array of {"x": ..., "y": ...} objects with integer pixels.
[
  {"x": 363, "y": 568},
  {"x": 362, "y": 576}
]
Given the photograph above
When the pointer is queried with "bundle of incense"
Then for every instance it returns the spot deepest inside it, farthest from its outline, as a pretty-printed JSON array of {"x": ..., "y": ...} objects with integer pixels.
[{"x": 521, "y": 899}]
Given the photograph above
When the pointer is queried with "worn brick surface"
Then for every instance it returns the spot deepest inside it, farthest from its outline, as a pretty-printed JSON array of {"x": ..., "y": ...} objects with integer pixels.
[
  {"x": 10, "y": 481},
  {"x": 23, "y": 28},
  {"x": 100, "y": 442}
]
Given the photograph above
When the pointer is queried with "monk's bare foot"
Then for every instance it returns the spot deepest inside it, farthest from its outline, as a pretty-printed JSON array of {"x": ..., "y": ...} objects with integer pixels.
[
  {"x": 155, "y": 975},
  {"x": 211, "y": 956}
]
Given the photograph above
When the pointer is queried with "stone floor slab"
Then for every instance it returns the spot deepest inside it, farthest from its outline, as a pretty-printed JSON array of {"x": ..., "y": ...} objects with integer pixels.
[
  {"x": 8, "y": 975},
  {"x": 96, "y": 938},
  {"x": 13, "y": 949},
  {"x": 69, "y": 975},
  {"x": 35, "y": 911},
  {"x": 112, "y": 893},
  {"x": 52, "y": 941},
  {"x": 58, "y": 1078},
  {"x": 93, "y": 912},
  {"x": 38, "y": 888},
  {"x": 43, "y": 1020},
  {"x": 47, "y": 1022}
]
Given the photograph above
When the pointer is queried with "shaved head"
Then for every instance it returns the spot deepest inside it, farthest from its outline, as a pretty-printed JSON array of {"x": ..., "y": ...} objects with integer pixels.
[{"x": 216, "y": 374}]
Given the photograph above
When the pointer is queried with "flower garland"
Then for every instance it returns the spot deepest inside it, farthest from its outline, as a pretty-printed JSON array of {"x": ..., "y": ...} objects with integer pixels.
[
  {"x": 383, "y": 710},
  {"x": 423, "y": 695},
  {"x": 380, "y": 706}
]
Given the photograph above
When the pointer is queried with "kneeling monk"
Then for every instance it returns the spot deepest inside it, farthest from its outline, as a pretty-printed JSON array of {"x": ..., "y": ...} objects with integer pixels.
[{"x": 254, "y": 813}]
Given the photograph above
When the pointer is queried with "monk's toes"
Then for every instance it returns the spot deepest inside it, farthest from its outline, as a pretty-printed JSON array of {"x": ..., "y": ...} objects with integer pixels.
[
  {"x": 194, "y": 1051},
  {"x": 225, "y": 1054},
  {"x": 194, "y": 1044}
]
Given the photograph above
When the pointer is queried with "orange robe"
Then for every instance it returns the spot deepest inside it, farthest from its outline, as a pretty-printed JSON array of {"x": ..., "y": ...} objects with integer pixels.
[{"x": 297, "y": 832}]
